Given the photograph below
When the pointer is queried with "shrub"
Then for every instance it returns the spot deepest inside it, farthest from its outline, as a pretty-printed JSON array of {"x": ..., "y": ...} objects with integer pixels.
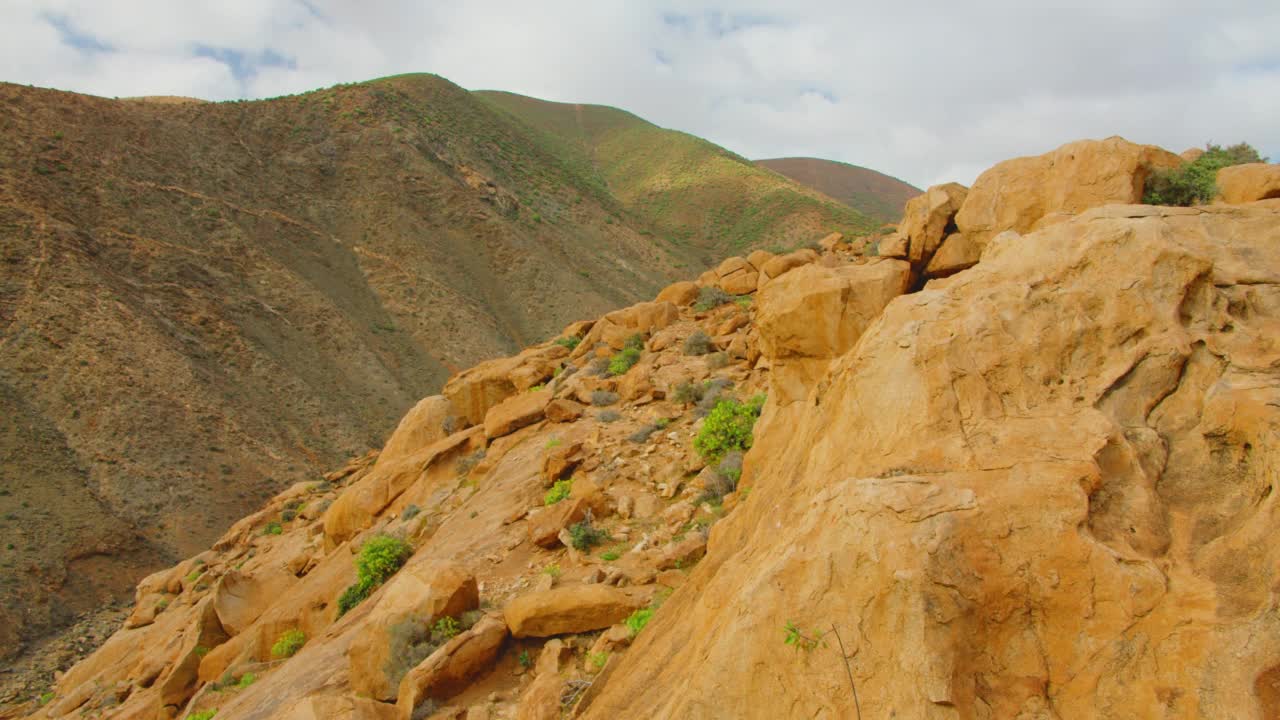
[
  {"x": 609, "y": 416},
  {"x": 728, "y": 427},
  {"x": 637, "y": 620},
  {"x": 687, "y": 393},
  {"x": 699, "y": 343},
  {"x": 710, "y": 298},
  {"x": 570, "y": 342},
  {"x": 601, "y": 398},
  {"x": 289, "y": 643},
  {"x": 559, "y": 491},
  {"x": 379, "y": 559},
  {"x": 1196, "y": 182},
  {"x": 624, "y": 360},
  {"x": 585, "y": 536}
]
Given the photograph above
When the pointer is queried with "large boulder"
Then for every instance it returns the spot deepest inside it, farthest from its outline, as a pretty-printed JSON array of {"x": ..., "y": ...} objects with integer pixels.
[
  {"x": 453, "y": 667},
  {"x": 1249, "y": 182},
  {"x": 927, "y": 219},
  {"x": 1041, "y": 488},
  {"x": 516, "y": 412},
  {"x": 423, "y": 425},
  {"x": 1019, "y": 194},
  {"x": 419, "y": 594},
  {"x": 569, "y": 609},
  {"x": 814, "y": 314}
]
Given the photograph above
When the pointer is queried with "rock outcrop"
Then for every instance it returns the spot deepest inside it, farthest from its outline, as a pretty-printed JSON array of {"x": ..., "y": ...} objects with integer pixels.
[
  {"x": 1249, "y": 182},
  {"x": 1042, "y": 487}
]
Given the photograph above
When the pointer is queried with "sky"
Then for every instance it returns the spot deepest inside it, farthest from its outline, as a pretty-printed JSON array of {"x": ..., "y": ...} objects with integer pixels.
[{"x": 926, "y": 91}]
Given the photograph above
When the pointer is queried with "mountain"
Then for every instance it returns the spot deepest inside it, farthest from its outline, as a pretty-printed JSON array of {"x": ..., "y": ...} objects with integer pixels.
[
  {"x": 694, "y": 194},
  {"x": 871, "y": 193},
  {"x": 204, "y": 303},
  {"x": 1041, "y": 485}
]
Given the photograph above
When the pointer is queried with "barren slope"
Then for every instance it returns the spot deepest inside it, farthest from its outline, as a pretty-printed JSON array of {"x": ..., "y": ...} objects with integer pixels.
[{"x": 872, "y": 193}]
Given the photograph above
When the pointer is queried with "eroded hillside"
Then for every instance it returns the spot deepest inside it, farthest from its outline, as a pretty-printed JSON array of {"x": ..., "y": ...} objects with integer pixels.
[
  {"x": 1012, "y": 461},
  {"x": 203, "y": 303}
]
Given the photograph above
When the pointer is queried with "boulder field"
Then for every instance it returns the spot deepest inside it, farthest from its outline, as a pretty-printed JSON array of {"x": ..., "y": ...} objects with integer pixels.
[{"x": 1033, "y": 479}]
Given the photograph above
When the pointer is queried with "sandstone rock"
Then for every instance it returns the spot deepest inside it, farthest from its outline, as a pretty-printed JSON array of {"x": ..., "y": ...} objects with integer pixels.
[
  {"x": 336, "y": 707},
  {"x": 680, "y": 294},
  {"x": 782, "y": 264},
  {"x": 812, "y": 315},
  {"x": 472, "y": 392},
  {"x": 239, "y": 598},
  {"x": 927, "y": 219},
  {"x": 956, "y": 253},
  {"x": 568, "y": 609},
  {"x": 450, "y": 669},
  {"x": 1016, "y": 194},
  {"x": 516, "y": 412},
  {"x": 1017, "y": 480},
  {"x": 420, "y": 427},
  {"x": 758, "y": 258},
  {"x": 423, "y": 591},
  {"x": 563, "y": 410},
  {"x": 1249, "y": 182}
]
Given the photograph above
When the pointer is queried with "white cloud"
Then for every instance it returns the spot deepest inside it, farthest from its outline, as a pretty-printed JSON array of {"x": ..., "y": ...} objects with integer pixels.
[{"x": 925, "y": 93}]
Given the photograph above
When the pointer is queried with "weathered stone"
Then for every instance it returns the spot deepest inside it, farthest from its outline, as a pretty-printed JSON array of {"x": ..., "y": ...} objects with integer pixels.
[{"x": 569, "y": 609}]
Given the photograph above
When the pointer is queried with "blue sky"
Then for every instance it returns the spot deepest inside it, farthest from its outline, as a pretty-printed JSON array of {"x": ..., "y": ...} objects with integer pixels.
[{"x": 929, "y": 92}]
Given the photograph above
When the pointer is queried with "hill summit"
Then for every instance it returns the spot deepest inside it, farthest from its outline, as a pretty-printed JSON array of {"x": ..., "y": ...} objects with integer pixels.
[{"x": 1014, "y": 460}]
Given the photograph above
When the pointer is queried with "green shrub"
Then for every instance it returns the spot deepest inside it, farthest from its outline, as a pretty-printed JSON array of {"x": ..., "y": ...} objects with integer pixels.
[
  {"x": 727, "y": 428},
  {"x": 624, "y": 360},
  {"x": 1196, "y": 182},
  {"x": 289, "y": 643},
  {"x": 710, "y": 298},
  {"x": 379, "y": 559},
  {"x": 637, "y": 620},
  {"x": 698, "y": 343},
  {"x": 559, "y": 491},
  {"x": 585, "y": 536}
]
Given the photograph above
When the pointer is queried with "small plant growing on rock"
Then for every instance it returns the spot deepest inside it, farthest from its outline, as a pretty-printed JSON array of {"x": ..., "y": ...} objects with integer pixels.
[
  {"x": 559, "y": 491},
  {"x": 585, "y": 536},
  {"x": 699, "y": 343},
  {"x": 624, "y": 360},
  {"x": 289, "y": 643},
  {"x": 710, "y": 298},
  {"x": 379, "y": 559},
  {"x": 601, "y": 398},
  {"x": 637, "y": 620},
  {"x": 727, "y": 428}
]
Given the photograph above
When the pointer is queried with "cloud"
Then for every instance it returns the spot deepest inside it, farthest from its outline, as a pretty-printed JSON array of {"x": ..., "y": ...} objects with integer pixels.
[{"x": 928, "y": 92}]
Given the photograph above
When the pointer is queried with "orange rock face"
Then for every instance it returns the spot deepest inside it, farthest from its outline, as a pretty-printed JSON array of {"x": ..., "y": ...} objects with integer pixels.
[
  {"x": 1017, "y": 194},
  {"x": 1041, "y": 488},
  {"x": 1250, "y": 182}
]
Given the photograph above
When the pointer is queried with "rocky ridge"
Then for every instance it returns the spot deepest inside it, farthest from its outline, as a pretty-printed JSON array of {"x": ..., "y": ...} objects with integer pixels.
[{"x": 1015, "y": 485}]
